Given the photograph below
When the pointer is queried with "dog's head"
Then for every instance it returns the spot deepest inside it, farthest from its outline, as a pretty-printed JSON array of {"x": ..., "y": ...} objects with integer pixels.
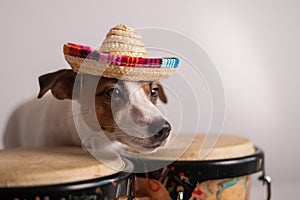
[{"x": 125, "y": 110}]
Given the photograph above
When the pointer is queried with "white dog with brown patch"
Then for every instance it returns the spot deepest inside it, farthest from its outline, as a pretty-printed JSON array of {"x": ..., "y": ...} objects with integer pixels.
[
  {"x": 122, "y": 103},
  {"x": 125, "y": 111}
]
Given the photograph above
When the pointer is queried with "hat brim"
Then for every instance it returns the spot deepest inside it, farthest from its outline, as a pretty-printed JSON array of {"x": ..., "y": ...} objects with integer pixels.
[{"x": 85, "y": 60}]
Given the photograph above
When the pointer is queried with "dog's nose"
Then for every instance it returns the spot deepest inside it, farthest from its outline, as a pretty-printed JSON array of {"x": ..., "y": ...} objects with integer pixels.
[{"x": 160, "y": 129}]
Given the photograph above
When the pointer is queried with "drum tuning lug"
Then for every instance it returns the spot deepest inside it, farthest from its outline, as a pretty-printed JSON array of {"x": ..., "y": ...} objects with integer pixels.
[
  {"x": 180, "y": 193},
  {"x": 267, "y": 180}
]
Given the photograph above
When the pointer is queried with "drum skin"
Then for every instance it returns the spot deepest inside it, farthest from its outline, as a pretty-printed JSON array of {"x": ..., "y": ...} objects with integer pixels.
[{"x": 61, "y": 173}]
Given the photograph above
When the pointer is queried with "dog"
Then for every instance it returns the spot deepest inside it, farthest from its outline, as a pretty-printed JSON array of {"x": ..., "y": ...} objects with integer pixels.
[{"x": 125, "y": 111}]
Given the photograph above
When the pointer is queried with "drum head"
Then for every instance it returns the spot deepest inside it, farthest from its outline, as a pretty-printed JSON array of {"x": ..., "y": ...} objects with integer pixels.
[
  {"x": 227, "y": 146},
  {"x": 48, "y": 166},
  {"x": 231, "y": 156}
]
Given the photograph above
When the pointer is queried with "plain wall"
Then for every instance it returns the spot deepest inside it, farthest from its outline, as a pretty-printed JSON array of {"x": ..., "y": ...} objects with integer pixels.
[{"x": 255, "y": 46}]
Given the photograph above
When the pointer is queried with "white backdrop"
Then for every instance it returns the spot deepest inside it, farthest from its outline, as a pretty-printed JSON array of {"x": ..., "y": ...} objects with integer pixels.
[{"x": 255, "y": 46}]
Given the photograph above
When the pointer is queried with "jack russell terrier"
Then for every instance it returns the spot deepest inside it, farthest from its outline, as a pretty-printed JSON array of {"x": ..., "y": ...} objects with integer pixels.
[
  {"x": 122, "y": 102},
  {"x": 121, "y": 107}
]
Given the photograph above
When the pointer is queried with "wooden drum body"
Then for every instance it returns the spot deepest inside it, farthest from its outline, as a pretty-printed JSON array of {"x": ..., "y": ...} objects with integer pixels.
[
  {"x": 60, "y": 173},
  {"x": 224, "y": 174}
]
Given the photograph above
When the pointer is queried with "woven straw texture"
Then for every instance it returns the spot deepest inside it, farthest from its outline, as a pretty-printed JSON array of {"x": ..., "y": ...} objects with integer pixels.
[{"x": 124, "y": 41}]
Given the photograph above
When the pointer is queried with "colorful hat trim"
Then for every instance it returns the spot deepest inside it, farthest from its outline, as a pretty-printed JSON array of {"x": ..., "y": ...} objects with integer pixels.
[{"x": 86, "y": 52}]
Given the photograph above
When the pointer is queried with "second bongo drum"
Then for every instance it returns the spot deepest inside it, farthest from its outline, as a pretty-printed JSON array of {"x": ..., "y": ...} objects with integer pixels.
[
  {"x": 224, "y": 174},
  {"x": 60, "y": 173}
]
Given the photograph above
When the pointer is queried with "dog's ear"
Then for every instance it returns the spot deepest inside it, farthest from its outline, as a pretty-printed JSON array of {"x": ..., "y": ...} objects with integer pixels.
[
  {"x": 161, "y": 93},
  {"x": 61, "y": 84}
]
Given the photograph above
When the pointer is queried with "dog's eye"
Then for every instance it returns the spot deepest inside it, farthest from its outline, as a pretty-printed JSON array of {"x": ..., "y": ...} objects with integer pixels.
[
  {"x": 113, "y": 92},
  {"x": 154, "y": 91}
]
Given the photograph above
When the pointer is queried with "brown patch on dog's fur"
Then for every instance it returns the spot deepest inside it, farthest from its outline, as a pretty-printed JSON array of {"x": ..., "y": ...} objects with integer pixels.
[
  {"x": 103, "y": 104},
  {"x": 62, "y": 84}
]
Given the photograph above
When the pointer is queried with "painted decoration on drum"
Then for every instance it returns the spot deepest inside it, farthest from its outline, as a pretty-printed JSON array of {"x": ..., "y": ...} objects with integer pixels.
[
  {"x": 225, "y": 189},
  {"x": 169, "y": 183}
]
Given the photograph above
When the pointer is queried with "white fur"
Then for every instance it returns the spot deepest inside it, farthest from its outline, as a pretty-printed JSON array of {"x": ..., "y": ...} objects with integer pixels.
[
  {"x": 49, "y": 122},
  {"x": 42, "y": 122},
  {"x": 137, "y": 123}
]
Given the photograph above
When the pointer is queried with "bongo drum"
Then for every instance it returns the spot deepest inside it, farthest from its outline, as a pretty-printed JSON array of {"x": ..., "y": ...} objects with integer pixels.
[
  {"x": 61, "y": 173},
  {"x": 223, "y": 174}
]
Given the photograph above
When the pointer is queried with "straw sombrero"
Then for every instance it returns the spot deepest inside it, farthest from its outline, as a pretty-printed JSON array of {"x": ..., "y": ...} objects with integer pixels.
[{"x": 122, "y": 55}]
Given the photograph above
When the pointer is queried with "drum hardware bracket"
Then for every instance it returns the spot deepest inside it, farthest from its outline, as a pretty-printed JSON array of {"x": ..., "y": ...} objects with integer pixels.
[
  {"x": 180, "y": 191},
  {"x": 266, "y": 180}
]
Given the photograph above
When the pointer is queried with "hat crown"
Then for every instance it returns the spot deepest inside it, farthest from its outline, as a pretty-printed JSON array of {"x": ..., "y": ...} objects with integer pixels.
[{"x": 124, "y": 40}]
